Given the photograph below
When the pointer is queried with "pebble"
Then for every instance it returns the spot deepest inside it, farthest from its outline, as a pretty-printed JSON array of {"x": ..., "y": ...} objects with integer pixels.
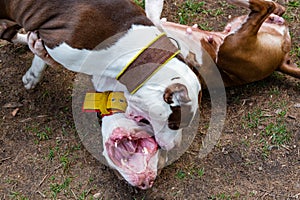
[
  {"x": 297, "y": 105},
  {"x": 97, "y": 195}
]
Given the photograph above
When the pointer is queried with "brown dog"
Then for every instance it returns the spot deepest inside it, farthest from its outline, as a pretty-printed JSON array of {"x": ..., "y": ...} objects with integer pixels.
[{"x": 249, "y": 49}]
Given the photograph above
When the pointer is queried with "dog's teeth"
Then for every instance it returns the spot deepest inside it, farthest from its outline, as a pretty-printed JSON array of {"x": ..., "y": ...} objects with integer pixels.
[
  {"x": 124, "y": 161},
  {"x": 145, "y": 151},
  {"x": 116, "y": 144},
  {"x": 130, "y": 138},
  {"x": 195, "y": 26}
]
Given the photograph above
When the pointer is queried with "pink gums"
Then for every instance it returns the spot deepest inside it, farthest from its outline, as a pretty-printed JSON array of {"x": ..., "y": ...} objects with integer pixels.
[{"x": 132, "y": 151}]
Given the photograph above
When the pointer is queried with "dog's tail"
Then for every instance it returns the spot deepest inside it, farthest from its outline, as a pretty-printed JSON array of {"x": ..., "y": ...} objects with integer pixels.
[{"x": 289, "y": 68}]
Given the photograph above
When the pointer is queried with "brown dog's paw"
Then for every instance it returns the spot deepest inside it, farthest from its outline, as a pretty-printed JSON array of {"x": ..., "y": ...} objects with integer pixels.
[{"x": 279, "y": 10}]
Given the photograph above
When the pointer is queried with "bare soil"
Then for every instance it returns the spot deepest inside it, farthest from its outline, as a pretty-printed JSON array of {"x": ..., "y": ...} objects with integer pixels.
[{"x": 42, "y": 157}]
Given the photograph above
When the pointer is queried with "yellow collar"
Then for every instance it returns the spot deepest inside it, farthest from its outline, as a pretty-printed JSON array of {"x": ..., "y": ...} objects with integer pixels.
[{"x": 106, "y": 103}]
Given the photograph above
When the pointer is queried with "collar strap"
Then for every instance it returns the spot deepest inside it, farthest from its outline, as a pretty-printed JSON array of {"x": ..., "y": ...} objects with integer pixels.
[
  {"x": 147, "y": 62},
  {"x": 106, "y": 103}
]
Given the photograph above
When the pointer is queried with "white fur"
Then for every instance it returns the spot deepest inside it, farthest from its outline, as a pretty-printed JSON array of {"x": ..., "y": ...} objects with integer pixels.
[
  {"x": 20, "y": 38},
  {"x": 35, "y": 73},
  {"x": 110, "y": 60},
  {"x": 153, "y": 10}
]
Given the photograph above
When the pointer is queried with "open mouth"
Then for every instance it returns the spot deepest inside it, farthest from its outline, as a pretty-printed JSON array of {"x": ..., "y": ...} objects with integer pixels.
[{"x": 131, "y": 150}]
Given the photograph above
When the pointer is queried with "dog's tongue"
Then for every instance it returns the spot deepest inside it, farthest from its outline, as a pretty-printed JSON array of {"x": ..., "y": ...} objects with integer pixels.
[{"x": 131, "y": 150}]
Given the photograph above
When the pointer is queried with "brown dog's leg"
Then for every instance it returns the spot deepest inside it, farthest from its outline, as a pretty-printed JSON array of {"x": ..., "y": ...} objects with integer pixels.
[
  {"x": 260, "y": 10},
  {"x": 288, "y": 67}
]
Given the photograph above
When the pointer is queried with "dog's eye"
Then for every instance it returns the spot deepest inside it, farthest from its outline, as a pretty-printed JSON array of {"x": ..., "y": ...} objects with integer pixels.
[
  {"x": 113, "y": 99},
  {"x": 175, "y": 78}
]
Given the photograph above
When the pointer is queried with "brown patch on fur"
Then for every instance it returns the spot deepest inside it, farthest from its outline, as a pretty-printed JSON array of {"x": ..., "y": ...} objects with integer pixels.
[{"x": 81, "y": 24}]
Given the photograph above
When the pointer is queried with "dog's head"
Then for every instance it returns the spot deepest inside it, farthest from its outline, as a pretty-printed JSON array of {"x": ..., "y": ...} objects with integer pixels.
[
  {"x": 154, "y": 119},
  {"x": 168, "y": 102}
]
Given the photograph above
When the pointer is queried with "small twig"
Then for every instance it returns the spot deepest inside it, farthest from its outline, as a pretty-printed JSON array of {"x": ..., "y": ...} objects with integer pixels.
[
  {"x": 40, "y": 193},
  {"x": 285, "y": 147},
  {"x": 296, "y": 196},
  {"x": 43, "y": 180},
  {"x": 74, "y": 194},
  {"x": 5, "y": 159}
]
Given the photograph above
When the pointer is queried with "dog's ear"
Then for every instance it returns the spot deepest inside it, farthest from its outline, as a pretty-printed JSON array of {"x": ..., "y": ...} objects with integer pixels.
[{"x": 176, "y": 92}]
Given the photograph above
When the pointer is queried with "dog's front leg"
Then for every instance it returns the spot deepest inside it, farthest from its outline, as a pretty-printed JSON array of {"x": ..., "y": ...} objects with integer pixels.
[
  {"x": 35, "y": 73},
  {"x": 40, "y": 60}
]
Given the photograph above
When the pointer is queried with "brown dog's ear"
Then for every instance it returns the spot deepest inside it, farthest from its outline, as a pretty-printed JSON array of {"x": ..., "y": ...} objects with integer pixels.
[{"x": 178, "y": 91}]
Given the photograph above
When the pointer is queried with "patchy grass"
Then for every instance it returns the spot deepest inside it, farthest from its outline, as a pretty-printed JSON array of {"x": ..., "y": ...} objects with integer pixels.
[
  {"x": 141, "y": 3},
  {"x": 43, "y": 158},
  {"x": 58, "y": 188}
]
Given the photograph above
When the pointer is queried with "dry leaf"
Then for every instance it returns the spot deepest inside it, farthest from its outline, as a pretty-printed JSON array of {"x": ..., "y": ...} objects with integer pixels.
[{"x": 14, "y": 113}]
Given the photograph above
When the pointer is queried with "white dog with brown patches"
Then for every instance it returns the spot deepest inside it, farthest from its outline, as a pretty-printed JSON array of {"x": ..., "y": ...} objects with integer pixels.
[{"x": 116, "y": 43}]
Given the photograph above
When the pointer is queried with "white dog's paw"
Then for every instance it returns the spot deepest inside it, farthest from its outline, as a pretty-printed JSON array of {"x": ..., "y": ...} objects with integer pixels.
[
  {"x": 30, "y": 79},
  {"x": 35, "y": 73}
]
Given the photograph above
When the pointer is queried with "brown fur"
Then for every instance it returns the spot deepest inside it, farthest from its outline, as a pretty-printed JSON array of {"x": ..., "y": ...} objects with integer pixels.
[
  {"x": 253, "y": 52},
  {"x": 70, "y": 25}
]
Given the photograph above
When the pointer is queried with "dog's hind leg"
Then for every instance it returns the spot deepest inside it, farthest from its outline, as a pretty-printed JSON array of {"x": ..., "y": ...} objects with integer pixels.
[
  {"x": 290, "y": 68},
  {"x": 35, "y": 73},
  {"x": 260, "y": 11},
  {"x": 20, "y": 39}
]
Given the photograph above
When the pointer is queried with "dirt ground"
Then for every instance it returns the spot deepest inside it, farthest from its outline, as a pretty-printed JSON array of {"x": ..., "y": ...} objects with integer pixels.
[{"x": 257, "y": 156}]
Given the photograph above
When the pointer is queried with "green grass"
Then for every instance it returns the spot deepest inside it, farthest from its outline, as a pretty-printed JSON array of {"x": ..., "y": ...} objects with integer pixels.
[
  {"x": 190, "y": 173},
  {"x": 188, "y": 10},
  {"x": 254, "y": 119},
  {"x": 140, "y": 3},
  {"x": 277, "y": 133},
  {"x": 42, "y": 134},
  {"x": 294, "y": 4},
  {"x": 200, "y": 172},
  {"x": 290, "y": 10},
  {"x": 17, "y": 196},
  {"x": 225, "y": 196},
  {"x": 180, "y": 174},
  {"x": 272, "y": 129},
  {"x": 58, "y": 188}
]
